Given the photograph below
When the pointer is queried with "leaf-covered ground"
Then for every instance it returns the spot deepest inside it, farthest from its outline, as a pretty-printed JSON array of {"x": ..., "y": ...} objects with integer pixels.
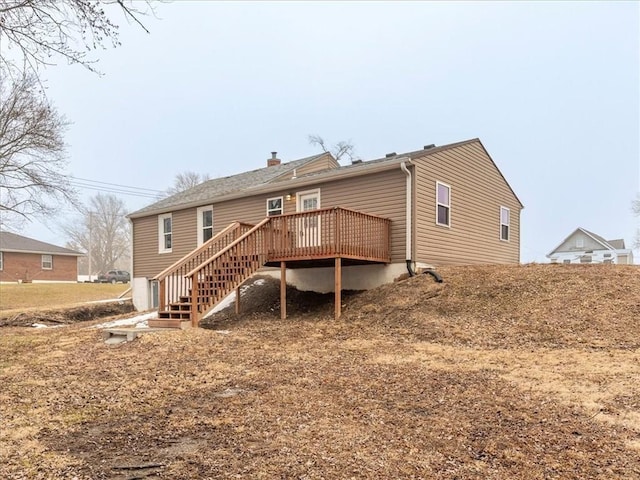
[{"x": 519, "y": 372}]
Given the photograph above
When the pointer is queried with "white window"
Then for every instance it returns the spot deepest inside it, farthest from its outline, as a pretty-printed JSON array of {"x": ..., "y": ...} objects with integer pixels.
[
  {"x": 47, "y": 262},
  {"x": 274, "y": 206},
  {"x": 205, "y": 224},
  {"x": 164, "y": 233},
  {"x": 505, "y": 219},
  {"x": 580, "y": 242},
  {"x": 443, "y": 204},
  {"x": 1, "y": 262}
]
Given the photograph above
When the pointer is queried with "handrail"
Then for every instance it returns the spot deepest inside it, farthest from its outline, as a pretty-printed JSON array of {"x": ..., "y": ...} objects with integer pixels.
[
  {"x": 227, "y": 248},
  {"x": 162, "y": 275}
]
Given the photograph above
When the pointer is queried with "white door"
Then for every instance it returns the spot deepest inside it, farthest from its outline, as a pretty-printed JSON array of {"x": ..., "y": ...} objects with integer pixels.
[{"x": 309, "y": 227}]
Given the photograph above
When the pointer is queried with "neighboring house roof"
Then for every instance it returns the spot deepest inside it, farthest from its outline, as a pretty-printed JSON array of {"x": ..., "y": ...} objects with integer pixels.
[
  {"x": 261, "y": 180},
  {"x": 12, "y": 242},
  {"x": 617, "y": 244}
]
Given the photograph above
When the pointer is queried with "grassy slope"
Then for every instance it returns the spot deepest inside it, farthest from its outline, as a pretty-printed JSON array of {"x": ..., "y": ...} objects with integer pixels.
[
  {"x": 501, "y": 372},
  {"x": 16, "y": 297}
]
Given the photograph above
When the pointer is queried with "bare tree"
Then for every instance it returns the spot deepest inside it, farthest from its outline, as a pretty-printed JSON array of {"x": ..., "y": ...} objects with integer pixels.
[
  {"x": 186, "y": 180},
  {"x": 39, "y": 31},
  {"x": 32, "y": 151},
  {"x": 338, "y": 150},
  {"x": 103, "y": 233}
]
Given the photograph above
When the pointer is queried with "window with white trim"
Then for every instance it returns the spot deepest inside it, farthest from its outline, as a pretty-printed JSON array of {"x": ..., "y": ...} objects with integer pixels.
[
  {"x": 47, "y": 262},
  {"x": 580, "y": 242},
  {"x": 165, "y": 236},
  {"x": 205, "y": 224},
  {"x": 443, "y": 204},
  {"x": 274, "y": 206},
  {"x": 505, "y": 222},
  {"x": 1, "y": 262}
]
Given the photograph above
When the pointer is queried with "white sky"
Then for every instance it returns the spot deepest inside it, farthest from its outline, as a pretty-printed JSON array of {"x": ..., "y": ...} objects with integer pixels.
[{"x": 552, "y": 89}]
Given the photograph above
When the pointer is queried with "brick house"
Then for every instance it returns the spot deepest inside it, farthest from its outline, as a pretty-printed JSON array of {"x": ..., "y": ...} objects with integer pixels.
[{"x": 24, "y": 259}]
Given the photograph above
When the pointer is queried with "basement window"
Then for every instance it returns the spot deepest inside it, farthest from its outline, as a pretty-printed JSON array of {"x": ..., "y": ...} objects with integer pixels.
[
  {"x": 443, "y": 204},
  {"x": 47, "y": 262},
  {"x": 274, "y": 206},
  {"x": 165, "y": 233},
  {"x": 505, "y": 219}
]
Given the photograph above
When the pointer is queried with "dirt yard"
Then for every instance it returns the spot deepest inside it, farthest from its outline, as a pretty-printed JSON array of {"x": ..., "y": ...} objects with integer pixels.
[{"x": 529, "y": 372}]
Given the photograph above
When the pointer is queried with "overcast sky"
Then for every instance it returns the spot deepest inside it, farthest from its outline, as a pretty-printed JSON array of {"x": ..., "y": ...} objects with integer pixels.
[{"x": 552, "y": 89}]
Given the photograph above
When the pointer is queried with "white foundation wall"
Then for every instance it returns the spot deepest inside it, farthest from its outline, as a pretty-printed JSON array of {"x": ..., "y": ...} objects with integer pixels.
[
  {"x": 140, "y": 293},
  {"x": 358, "y": 277}
]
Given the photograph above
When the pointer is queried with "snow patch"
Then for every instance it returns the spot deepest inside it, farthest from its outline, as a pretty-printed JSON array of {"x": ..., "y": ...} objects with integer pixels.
[{"x": 140, "y": 321}]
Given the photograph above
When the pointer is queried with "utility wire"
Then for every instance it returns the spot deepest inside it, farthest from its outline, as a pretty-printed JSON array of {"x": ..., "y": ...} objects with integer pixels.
[
  {"x": 114, "y": 190},
  {"x": 115, "y": 185}
]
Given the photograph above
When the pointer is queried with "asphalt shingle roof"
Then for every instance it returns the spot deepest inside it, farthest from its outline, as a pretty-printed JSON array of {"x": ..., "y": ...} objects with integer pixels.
[
  {"x": 226, "y": 185},
  {"x": 248, "y": 181},
  {"x": 12, "y": 242}
]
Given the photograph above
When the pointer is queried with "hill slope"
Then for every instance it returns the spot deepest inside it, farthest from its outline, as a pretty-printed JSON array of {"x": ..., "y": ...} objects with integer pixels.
[{"x": 522, "y": 373}]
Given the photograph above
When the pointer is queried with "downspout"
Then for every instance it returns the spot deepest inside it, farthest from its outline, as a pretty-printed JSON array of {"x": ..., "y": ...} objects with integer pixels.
[{"x": 409, "y": 219}]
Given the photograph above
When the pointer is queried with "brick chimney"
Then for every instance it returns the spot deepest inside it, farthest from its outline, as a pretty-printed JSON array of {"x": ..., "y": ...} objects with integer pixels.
[{"x": 273, "y": 161}]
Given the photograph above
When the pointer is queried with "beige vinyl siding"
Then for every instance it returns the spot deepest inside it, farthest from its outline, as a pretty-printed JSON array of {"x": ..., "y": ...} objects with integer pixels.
[
  {"x": 381, "y": 194},
  {"x": 478, "y": 190}
]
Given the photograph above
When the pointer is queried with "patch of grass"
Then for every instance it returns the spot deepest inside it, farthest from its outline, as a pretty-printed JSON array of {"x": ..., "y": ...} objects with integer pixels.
[{"x": 21, "y": 296}]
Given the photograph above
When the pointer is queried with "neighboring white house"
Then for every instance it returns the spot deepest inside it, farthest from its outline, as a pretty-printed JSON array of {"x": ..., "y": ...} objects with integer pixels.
[{"x": 583, "y": 246}]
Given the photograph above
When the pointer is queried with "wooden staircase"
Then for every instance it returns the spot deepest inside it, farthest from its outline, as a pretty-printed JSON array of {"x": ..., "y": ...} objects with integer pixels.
[
  {"x": 190, "y": 288},
  {"x": 193, "y": 293}
]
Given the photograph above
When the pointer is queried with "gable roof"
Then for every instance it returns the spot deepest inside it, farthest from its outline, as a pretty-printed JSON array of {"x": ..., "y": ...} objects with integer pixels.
[
  {"x": 12, "y": 242},
  {"x": 259, "y": 181},
  {"x": 617, "y": 244},
  {"x": 218, "y": 187}
]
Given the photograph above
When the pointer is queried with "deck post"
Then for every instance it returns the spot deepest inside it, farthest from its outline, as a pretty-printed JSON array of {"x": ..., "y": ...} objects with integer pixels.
[
  {"x": 283, "y": 290},
  {"x": 338, "y": 287},
  {"x": 237, "y": 300},
  {"x": 194, "y": 300}
]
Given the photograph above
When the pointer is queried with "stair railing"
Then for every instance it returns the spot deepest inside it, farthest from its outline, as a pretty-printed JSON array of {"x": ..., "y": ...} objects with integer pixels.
[
  {"x": 217, "y": 276},
  {"x": 173, "y": 282}
]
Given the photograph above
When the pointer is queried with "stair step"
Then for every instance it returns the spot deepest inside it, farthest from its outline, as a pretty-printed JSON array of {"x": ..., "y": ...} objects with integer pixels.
[
  {"x": 169, "y": 323},
  {"x": 184, "y": 306},
  {"x": 173, "y": 314}
]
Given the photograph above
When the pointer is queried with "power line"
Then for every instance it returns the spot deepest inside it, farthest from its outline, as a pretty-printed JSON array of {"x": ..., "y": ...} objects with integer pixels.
[
  {"x": 105, "y": 189},
  {"x": 116, "y": 184}
]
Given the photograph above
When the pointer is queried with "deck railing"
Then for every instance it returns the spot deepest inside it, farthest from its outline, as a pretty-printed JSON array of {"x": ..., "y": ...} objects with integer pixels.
[
  {"x": 329, "y": 232},
  {"x": 172, "y": 281}
]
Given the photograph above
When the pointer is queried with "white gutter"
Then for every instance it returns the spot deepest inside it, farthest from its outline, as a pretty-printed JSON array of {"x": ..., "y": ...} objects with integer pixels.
[{"x": 409, "y": 216}]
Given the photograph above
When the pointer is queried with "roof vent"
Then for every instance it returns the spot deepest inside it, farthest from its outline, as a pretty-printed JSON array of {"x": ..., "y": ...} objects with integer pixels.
[
  {"x": 356, "y": 161},
  {"x": 392, "y": 154},
  {"x": 428, "y": 147},
  {"x": 273, "y": 161}
]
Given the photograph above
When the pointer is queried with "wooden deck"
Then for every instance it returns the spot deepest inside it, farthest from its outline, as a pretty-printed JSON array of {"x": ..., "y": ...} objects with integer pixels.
[{"x": 326, "y": 237}]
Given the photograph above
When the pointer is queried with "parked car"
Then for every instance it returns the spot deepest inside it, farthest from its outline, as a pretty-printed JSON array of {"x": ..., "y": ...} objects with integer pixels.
[{"x": 114, "y": 276}]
